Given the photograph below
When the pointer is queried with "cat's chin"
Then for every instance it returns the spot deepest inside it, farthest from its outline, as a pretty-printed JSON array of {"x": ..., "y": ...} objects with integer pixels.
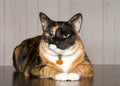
[
  {"x": 55, "y": 48},
  {"x": 52, "y": 46}
]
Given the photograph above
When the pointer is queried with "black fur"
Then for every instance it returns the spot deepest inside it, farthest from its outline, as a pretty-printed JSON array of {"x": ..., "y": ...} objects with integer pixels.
[{"x": 28, "y": 56}]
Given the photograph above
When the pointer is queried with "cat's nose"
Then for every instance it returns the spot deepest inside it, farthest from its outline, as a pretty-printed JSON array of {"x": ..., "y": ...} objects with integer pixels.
[{"x": 51, "y": 41}]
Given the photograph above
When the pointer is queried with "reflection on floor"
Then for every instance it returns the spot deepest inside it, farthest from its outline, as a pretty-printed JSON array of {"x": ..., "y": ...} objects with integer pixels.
[
  {"x": 104, "y": 75},
  {"x": 20, "y": 80}
]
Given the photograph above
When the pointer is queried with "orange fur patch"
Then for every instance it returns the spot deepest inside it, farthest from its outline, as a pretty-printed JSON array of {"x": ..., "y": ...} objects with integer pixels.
[
  {"x": 46, "y": 34},
  {"x": 17, "y": 51},
  {"x": 85, "y": 69},
  {"x": 53, "y": 30},
  {"x": 77, "y": 61}
]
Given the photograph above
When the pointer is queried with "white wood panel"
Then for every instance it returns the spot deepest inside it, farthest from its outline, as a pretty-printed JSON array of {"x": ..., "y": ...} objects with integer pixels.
[
  {"x": 111, "y": 39},
  {"x": 96, "y": 32},
  {"x": 50, "y": 8},
  {"x": 9, "y": 30},
  {"x": 108, "y": 32},
  {"x": 32, "y": 18},
  {"x": 116, "y": 5},
  {"x": 64, "y": 10},
  {"x": 1, "y": 32},
  {"x": 19, "y": 19}
]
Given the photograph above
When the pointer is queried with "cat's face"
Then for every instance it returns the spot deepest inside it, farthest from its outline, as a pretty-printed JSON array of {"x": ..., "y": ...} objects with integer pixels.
[{"x": 61, "y": 34}]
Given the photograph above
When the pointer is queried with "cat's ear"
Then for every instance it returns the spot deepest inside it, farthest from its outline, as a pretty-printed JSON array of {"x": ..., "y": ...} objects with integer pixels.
[
  {"x": 45, "y": 20},
  {"x": 76, "y": 22}
]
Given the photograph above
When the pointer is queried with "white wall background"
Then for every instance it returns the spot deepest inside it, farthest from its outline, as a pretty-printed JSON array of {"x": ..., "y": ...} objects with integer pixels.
[{"x": 19, "y": 19}]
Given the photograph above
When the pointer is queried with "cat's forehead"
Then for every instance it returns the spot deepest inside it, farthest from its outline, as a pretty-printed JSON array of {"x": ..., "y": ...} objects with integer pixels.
[{"x": 60, "y": 25}]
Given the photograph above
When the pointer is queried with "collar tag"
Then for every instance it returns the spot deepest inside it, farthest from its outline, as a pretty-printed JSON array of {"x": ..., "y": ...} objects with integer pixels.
[{"x": 59, "y": 61}]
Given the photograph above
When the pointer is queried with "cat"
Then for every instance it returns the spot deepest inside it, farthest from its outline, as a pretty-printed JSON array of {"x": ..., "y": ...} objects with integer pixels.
[{"x": 58, "y": 53}]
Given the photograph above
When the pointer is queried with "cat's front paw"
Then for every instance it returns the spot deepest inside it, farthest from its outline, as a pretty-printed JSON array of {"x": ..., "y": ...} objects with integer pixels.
[
  {"x": 73, "y": 76},
  {"x": 67, "y": 76},
  {"x": 61, "y": 76}
]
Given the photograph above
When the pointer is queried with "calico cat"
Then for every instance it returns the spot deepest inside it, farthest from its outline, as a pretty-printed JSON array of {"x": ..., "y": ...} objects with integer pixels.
[{"x": 58, "y": 53}]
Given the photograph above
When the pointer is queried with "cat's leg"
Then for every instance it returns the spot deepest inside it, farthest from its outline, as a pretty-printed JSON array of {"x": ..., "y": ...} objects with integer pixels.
[
  {"x": 45, "y": 72},
  {"x": 85, "y": 69}
]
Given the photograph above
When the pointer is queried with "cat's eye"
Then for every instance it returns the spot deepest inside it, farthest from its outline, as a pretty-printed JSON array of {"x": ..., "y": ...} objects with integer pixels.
[
  {"x": 66, "y": 35},
  {"x": 51, "y": 35}
]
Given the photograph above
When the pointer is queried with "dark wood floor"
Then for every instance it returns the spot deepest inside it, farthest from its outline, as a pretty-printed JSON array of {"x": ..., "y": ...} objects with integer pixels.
[{"x": 103, "y": 76}]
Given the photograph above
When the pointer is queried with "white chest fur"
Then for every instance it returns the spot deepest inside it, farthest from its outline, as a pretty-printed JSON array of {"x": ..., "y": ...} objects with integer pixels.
[{"x": 68, "y": 56}]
